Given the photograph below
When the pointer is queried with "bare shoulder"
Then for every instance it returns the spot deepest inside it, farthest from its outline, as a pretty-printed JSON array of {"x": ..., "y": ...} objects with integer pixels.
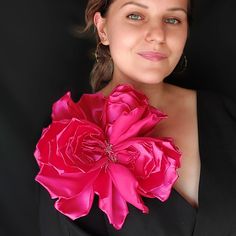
[
  {"x": 180, "y": 100},
  {"x": 183, "y": 94}
]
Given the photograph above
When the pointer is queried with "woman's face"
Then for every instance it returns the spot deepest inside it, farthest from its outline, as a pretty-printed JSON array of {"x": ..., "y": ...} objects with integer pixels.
[{"x": 146, "y": 38}]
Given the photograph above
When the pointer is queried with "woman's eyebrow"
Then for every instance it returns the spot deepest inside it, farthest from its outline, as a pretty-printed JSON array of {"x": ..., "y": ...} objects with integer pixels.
[
  {"x": 146, "y": 7},
  {"x": 177, "y": 9},
  {"x": 134, "y": 3}
]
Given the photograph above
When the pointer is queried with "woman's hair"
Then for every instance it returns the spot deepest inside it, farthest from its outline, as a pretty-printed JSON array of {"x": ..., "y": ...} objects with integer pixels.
[{"x": 102, "y": 70}]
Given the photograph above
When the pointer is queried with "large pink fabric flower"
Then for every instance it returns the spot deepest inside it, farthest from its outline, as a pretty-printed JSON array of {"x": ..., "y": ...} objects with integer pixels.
[{"x": 101, "y": 145}]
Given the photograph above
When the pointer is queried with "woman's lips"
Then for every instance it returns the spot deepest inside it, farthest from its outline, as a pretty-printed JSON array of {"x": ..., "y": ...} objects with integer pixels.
[{"x": 152, "y": 56}]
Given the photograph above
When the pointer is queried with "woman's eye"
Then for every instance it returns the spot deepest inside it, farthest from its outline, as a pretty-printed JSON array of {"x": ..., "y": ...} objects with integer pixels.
[
  {"x": 172, "y": 21},
  {"x": 135, "y": 17}
]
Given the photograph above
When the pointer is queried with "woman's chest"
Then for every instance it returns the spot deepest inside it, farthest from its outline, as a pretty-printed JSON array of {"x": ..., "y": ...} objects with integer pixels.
[{"x": 184, "y": 131}]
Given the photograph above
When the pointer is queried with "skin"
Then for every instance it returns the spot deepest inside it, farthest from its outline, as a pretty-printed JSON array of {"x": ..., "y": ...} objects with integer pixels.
[{"x": 134, "y": 27}]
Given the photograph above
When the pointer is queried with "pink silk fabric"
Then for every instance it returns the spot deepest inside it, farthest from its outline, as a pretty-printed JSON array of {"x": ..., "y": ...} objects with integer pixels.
[{"x": 102, "y": 145}]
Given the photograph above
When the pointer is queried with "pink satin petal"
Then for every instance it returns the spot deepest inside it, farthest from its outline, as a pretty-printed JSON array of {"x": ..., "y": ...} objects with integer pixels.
[
  {"x": 122, "y": 124},
  {"x": 122, "y": 100},
  {"x": 92, "y": 106},
  {"x": 46, "y": 148},
  {"x": 163, "y": 191},
  {"x": 89, "y": 107},
  {"x": 110, "y": 201},
  {"x": 146, "y": 155},
  {"x": 126, "y": 185},
  {"x": 64, "y": 185},
  {"x": 77, "y": 206},
  {"x": 80, "y": 144},
  {"x": 159, "y": 184},
  {"x": 65, "y": 108},
  {"x": 54, "y": 145},
  {"x": 155, "y": 171},
  {"x": 149, "y": 147},
  {"x": 136, "y": 123},
  {"x": 131, "y": 106},
  {"x": 171, "y": 151}
]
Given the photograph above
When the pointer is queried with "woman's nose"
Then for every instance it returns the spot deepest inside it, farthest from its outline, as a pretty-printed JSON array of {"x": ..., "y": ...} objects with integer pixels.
[{"x": 156, "y": 33}]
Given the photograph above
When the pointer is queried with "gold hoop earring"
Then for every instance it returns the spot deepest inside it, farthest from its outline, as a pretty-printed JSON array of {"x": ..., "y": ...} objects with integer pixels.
[
  {"x": 185, "y": 64},
  {"x": 182, "y": 65},
  {"x": 96, "y": 54},
  {"x": 102, "y": 53}
]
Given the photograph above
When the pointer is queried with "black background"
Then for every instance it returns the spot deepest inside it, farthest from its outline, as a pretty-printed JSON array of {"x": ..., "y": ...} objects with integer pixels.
[{"x": 41, "y": 59}]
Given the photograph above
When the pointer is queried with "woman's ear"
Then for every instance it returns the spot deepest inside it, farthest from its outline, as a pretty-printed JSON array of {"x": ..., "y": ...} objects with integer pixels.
[{"x": 100, "y": 24}]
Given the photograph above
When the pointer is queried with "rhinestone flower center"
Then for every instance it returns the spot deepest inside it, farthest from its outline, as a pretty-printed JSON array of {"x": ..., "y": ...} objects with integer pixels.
[{"x": 110, "y": 153}]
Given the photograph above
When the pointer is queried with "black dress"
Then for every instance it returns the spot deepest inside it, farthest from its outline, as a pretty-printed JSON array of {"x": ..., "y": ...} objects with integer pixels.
[{"x": 216, "y": 215}]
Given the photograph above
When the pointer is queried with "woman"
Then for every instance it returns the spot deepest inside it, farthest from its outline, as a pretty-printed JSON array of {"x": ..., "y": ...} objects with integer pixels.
[
  {"x": 140, "y": 43},
  {"x": 146, "y": 42}
]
